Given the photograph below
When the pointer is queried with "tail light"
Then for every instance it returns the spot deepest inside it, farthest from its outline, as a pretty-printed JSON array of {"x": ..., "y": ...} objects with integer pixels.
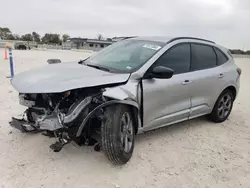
[{"x": 239, "y": 71}]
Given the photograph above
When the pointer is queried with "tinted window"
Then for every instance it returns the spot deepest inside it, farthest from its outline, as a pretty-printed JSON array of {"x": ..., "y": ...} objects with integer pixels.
[
  {"x": 221, "y": 58},
  {"x": 177, "y": 58},
  {"x": 203, "y": 57}
]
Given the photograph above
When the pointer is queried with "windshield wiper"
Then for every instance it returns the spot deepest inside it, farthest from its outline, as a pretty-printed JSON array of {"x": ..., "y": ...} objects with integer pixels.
[
  {"x": 98, "y": 67},
  {"x": 82, "y": 61},
  {"x": 94, "y": 66}
]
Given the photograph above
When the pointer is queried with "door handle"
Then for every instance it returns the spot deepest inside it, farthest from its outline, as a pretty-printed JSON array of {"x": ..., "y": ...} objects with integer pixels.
[
  {"x": 221, "y": 75},
  {"x": 186, "y": 82}
]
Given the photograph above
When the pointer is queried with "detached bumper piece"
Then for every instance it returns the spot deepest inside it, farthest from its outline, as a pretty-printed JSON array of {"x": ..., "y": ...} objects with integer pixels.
[{"x": 23, "y": 125}]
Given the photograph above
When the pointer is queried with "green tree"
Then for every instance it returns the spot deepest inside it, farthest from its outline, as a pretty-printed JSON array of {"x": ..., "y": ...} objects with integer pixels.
[
  {"x": 65, "y": 37},
  {"x": 51, "y": 38},
  {"x": 36, "y": 36},
  {"x": 10, "y": 37},
  {"x": 27, "y": 37},
  {"x": 4, "y": 32}
]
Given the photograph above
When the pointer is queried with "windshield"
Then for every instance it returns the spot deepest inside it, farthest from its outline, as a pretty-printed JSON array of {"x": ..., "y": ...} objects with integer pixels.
[{"x": 125, "y": 56}]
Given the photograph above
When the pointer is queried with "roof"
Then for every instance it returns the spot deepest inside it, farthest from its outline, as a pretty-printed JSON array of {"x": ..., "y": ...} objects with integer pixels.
[
  {"x": 153, "y": 38},
  {"x": 169, "y": 39}
]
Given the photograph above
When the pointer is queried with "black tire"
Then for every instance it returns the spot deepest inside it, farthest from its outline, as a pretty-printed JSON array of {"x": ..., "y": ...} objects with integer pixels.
[
  {"x": 112, "y": 133},
  {"x": 216, "y": 115}
]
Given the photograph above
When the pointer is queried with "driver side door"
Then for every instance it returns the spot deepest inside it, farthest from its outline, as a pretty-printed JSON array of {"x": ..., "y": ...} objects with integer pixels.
[{"x": 167, "y": 101}]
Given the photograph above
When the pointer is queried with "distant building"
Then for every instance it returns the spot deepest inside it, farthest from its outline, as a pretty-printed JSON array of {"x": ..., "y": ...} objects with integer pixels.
[
  {"x": 90, "y": 44},
  {"x": 85, "y": 43}
]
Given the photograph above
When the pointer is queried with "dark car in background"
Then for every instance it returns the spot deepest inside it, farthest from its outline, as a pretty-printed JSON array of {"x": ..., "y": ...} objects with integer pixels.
[{"x": 21, "y": 46}]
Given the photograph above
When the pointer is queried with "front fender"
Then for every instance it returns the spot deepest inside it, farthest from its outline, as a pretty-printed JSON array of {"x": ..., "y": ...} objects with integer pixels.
[{"x": 121, "y": 92}]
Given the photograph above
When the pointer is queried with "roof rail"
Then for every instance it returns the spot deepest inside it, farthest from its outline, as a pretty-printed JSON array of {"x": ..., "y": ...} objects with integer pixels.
[
  {"x": 178, "y": 38},
  {"x": 128, "y": 37}
]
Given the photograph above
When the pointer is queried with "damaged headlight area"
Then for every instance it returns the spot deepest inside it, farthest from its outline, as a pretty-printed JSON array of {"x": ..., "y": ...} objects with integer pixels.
[{"x": 65, "y": 116}]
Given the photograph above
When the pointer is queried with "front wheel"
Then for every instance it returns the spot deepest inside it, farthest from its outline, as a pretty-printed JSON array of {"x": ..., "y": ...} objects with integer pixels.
[
  {"x": 118, "y": 134},
  {"x": 222, "y": 107}
]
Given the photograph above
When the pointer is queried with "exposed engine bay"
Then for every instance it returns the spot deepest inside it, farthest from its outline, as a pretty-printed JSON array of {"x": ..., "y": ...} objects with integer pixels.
[{"x": 73, "y": 115}]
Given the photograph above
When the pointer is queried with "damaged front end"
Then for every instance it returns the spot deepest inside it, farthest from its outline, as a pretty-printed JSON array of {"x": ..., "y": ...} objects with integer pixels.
[
  {"x": 62, "y": 115},
  {"x": 75, "y": 115}
]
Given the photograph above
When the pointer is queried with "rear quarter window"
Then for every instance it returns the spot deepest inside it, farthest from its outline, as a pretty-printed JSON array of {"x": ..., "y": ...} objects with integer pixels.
[{"x": 221, "y": 57}]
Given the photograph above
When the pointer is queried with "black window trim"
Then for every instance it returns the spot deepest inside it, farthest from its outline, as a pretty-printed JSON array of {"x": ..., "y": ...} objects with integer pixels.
[
  {"x": 216, "y": 57},
  {"x": 150, "y": 68}
]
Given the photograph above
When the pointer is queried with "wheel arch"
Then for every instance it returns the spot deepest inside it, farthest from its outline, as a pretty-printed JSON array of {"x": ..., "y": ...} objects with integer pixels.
[
  {"x": 214, "y": 114},
  {"x": 232, "y": 89},
  {"x": 228, "y": 87},
  {"x": 132, "y": 104},
  {"x": 136, "y": 117}
]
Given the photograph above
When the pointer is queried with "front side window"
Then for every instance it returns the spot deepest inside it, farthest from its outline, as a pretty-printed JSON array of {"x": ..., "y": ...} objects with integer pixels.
[
  {"x": 203, "y": 57},
  {"x": 125, "y": 56},
  {"x": 176, "y": 58}
]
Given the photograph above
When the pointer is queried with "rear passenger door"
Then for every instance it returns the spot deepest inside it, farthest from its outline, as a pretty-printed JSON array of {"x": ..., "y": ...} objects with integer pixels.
[{"x": 206, "y": 79}]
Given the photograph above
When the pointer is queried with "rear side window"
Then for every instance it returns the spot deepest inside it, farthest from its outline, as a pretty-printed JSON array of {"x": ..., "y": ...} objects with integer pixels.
[
  {"x": 221, "y": 58},
  {"x": 203, "y": 57},
  {"x": 176, "y": 58}
]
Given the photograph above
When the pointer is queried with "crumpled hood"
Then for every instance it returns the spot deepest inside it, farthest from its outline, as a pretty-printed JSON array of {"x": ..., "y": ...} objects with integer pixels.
[{"x": 55, "y": 78}]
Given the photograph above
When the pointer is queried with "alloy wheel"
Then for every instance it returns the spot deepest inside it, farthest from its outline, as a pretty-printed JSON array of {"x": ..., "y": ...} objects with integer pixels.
[
  {"x": 127, "y": 134},
  {"x": 224, "y": 106}
]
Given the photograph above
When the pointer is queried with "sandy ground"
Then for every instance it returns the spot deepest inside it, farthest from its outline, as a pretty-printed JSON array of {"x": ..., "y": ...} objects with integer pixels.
[{"x": 195, "y": 153}]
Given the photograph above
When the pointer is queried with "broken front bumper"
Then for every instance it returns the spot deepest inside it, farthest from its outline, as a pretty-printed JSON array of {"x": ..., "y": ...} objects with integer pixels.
[
  {"x": 49, "y": 124},
  {"x": 36, "y": 119},
  {"x": 23, "y": 125}
]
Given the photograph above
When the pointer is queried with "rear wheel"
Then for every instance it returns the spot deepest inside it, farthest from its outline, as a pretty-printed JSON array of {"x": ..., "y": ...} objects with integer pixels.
[
  {"x": 118, "y": 134},
  {"x": 222, "y": 107}
]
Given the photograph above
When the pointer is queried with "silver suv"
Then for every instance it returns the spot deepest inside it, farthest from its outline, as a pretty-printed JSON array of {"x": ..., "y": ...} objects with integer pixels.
[{"x": 132, "y": 86}]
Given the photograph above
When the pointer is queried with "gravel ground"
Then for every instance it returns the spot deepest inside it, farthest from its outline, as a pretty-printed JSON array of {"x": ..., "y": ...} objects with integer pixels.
[{"x": 194, "y": 153}]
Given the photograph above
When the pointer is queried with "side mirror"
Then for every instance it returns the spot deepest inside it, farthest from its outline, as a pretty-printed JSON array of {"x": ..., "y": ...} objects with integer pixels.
[
  {"x": 160, "y": 72},
  {"x": 53, "y": 61}
]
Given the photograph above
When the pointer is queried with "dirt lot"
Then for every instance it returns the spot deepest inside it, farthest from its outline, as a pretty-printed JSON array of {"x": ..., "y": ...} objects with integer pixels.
[{"x": 192, "y": 154}]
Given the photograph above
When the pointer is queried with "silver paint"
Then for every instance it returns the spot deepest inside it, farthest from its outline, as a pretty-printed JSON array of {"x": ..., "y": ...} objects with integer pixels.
[
  {"x": 164, "y": 102},
  {"x": 55, "y": 78}
]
